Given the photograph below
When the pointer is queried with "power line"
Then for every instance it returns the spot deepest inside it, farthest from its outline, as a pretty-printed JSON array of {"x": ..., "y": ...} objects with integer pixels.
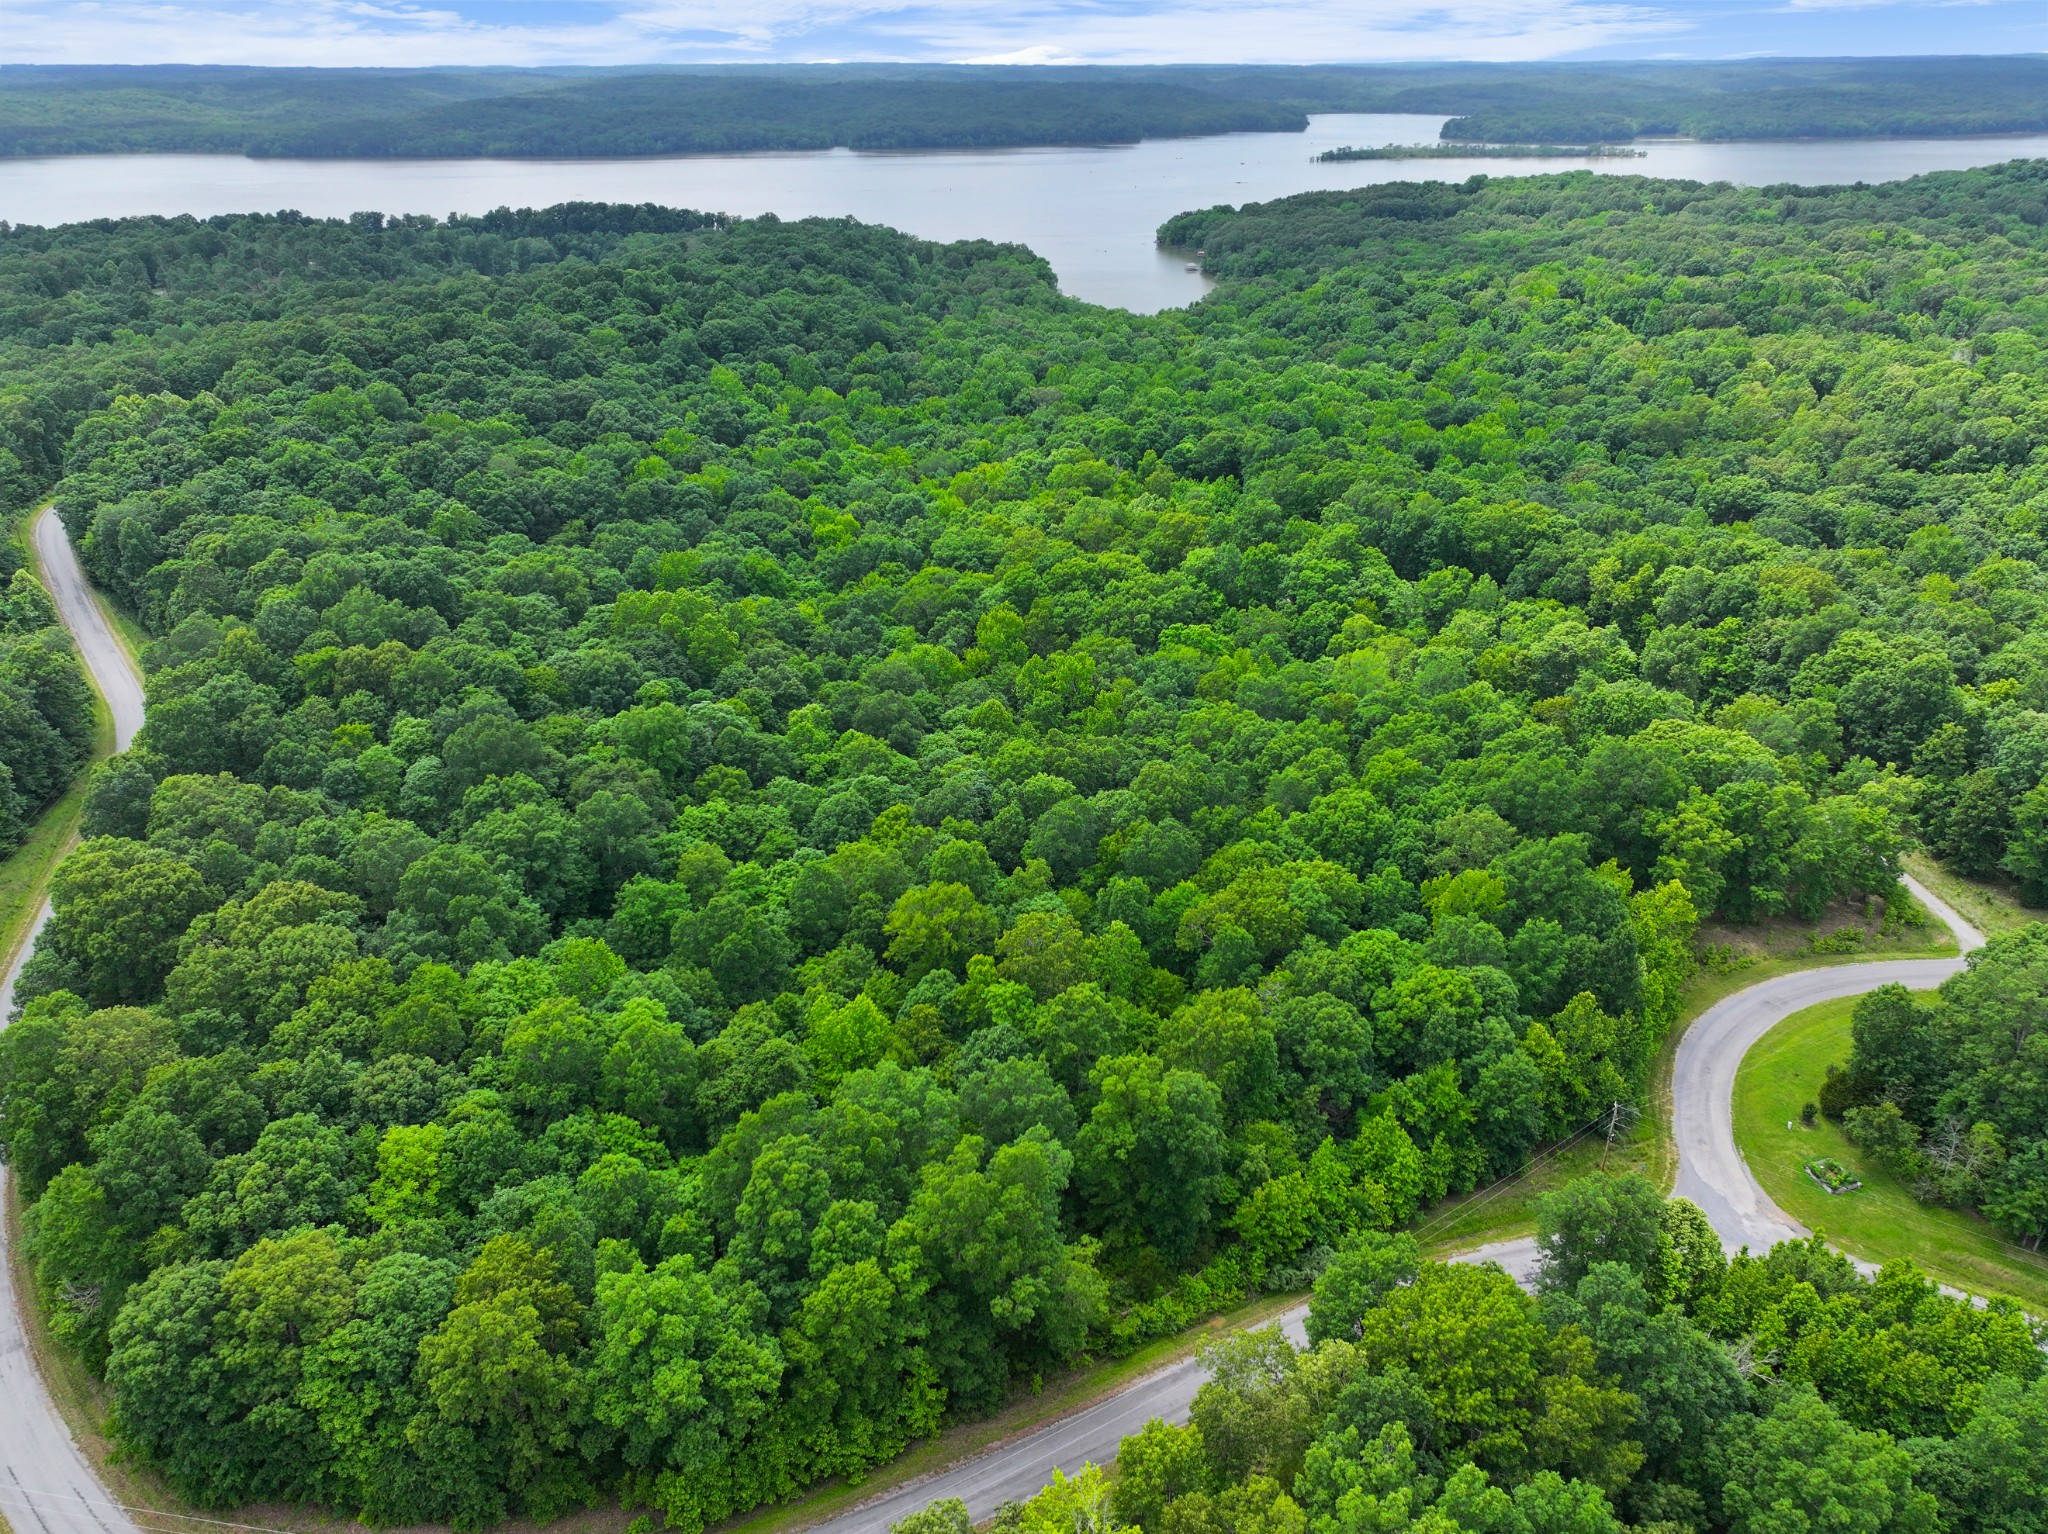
[{"x": 1494, "y": 1190}]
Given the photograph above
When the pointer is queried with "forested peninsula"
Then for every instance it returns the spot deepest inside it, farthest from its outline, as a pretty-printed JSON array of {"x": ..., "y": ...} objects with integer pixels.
[
  {"x": 753, "y": 835},
  {"x": 383, "y": 113}
]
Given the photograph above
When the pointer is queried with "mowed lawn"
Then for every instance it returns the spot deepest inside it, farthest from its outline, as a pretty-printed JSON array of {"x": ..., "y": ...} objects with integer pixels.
[{"x": 1881, "y": 1221}]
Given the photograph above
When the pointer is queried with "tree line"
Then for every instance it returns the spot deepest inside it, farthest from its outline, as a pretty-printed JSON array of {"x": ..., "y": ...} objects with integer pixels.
[{"x": 1947, "y": 1091}]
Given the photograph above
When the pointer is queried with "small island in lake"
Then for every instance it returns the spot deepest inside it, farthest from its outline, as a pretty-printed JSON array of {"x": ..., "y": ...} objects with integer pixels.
[{"x": 1485, "y": 152}]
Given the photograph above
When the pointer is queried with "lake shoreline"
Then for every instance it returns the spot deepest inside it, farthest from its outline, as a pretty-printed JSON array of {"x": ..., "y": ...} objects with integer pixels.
[{"x": 1091, "y": 211}]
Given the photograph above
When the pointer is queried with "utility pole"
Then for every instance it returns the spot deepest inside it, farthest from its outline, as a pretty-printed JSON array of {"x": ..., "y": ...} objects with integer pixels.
[{"x": 1621, "y": 1117}]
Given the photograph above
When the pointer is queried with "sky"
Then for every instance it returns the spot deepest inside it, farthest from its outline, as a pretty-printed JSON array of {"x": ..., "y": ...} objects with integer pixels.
[{"x": 420, "y": 32}]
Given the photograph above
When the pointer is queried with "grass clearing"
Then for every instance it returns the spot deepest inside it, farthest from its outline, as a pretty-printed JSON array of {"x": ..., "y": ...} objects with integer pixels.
[
  {"x": 1882, "y": 1220},
  {"x": 1991, "y": 906}
]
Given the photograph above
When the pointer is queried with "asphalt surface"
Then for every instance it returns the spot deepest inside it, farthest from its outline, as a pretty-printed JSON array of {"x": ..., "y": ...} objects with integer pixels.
[
  {"x": 46, "y": 1486},
  {"x": 1711, "y": 1171}
]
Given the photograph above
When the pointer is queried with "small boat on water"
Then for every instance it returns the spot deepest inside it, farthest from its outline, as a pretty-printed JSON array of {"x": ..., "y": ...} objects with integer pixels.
[{"x": 1194, "y": 266}]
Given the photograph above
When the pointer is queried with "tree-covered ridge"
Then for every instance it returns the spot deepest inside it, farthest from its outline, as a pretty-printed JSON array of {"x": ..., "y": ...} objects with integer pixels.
[
  {"x": 706, "y": 109},
  {"x": 1747, "y": 99},
  {"x": 721, "y": 803},
  {"x": 648, "y": 111},
  {"x": 694, "y": 114}
]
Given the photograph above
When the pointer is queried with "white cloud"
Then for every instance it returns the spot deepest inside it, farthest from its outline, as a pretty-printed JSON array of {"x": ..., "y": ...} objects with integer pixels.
[
  {"x": 342, "y": 33},
  {"x": 1865, "y": 5},
  {"x": 395, "y": 32},
  {"x": 1037, "y": 53},
  {"x": 364, "y": 32},
  {"x": 1291, "y": 31}
]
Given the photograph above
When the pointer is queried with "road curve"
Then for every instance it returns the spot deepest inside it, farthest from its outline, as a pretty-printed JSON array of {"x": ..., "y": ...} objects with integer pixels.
[
  {"x": 1711, "y": 1171},
  {"x": 113, "y": 669},
  {"x": 1013, "y": 1471},
  {"x": 46, "y": 1485}
]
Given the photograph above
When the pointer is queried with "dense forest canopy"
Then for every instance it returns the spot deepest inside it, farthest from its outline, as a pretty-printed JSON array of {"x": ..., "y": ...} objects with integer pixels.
[
  {"x": 727, "y": 801},
  {"x": 502, "y": 112}
]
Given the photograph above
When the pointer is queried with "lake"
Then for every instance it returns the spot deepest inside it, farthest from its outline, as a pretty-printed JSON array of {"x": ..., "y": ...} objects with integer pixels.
[{"x": 1091, "y": 212}]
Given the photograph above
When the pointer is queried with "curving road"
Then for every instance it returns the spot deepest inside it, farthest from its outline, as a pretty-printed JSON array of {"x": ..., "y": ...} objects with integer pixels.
[
  {"x": 46, "y": 1486},
  {"x": 1711, "y": 1171}
]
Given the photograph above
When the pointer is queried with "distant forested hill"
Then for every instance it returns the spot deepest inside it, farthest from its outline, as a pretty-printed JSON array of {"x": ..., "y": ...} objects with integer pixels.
[
  {"x": 323, "y": 112},
  {"x": 335, "y": 112},
  {"x": 1761, "y": 98}
]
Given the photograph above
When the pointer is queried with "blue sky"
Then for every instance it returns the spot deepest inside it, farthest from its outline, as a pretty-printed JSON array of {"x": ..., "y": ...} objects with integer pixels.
[{"x": 413, "y": 32}]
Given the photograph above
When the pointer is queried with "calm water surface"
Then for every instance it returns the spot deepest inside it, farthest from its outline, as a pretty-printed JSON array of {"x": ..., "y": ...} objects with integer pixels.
[{"x": 1091, "y": 212}]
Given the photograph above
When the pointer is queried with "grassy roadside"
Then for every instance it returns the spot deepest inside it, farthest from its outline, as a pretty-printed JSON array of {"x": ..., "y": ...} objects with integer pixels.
[
  {"x": 1503, "y": 1210},
  {"x": 128, "y": 629},
  {"x": 1882, "y": 1220},
  {"x": 25, "y": 872},
  {"x": 1991, "y": 906}
]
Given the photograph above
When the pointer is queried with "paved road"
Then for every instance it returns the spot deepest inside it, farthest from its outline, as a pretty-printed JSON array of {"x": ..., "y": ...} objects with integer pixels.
[
  {"x": 1711, "y": 1171},
  {"x": 46, "y": 1486},
  {"x": 1016, "y": 1469}
]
